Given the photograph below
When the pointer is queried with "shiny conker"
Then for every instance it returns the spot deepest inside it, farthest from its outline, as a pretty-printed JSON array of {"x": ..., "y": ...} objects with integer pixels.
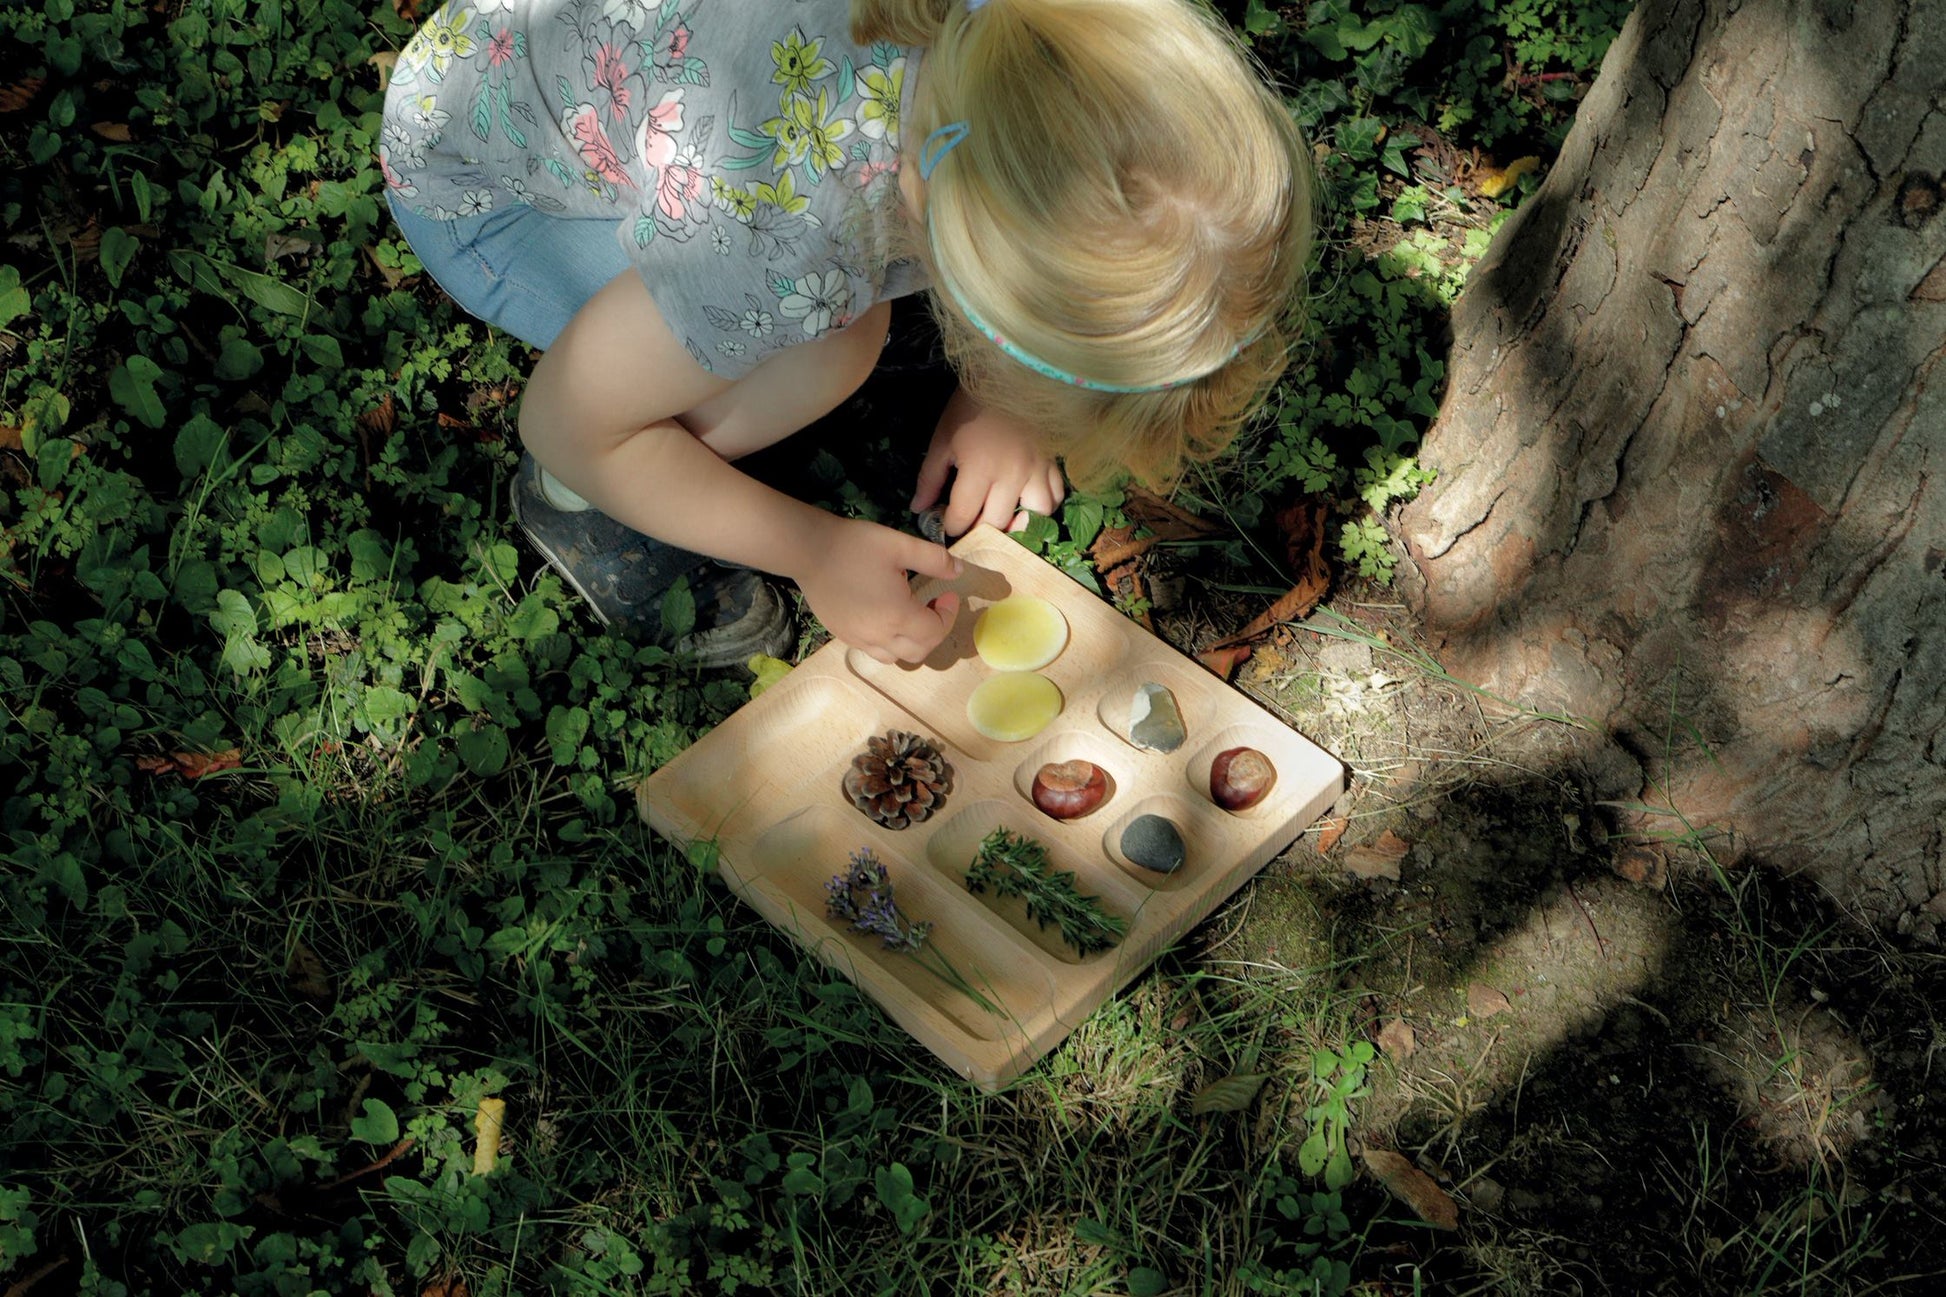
[
  {"x": 1066, "y": 789},
  {"x": 1239, "y": 778}
]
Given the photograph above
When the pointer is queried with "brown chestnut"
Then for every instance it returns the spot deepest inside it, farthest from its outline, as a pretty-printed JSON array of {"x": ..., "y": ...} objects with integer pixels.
[
  {"x": 1239, "y": 778},
  {"x": 1066, "y": 789}
]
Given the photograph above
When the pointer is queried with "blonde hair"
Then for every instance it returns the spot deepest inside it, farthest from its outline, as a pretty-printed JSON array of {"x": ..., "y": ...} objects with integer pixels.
[{"x": 1131, "y": 203}]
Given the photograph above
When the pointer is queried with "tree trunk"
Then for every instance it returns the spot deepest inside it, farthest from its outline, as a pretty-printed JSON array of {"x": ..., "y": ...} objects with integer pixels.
[{"x": 1689, "y": 459}]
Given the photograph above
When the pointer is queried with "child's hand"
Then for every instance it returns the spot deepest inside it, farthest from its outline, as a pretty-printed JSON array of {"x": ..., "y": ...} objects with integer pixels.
[
  {"x": 999, "y": 470},
  {"x": 857, "y": 587}
]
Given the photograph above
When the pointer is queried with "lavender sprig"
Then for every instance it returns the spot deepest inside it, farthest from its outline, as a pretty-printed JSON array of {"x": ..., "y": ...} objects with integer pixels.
[{"x": 863, "y": 896}]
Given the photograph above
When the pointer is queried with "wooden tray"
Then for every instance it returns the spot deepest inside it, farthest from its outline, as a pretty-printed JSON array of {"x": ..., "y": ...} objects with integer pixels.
[{"x": 765, "y": 785}]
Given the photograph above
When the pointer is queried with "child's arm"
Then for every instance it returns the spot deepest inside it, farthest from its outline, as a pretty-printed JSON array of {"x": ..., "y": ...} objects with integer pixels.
[
  {"x": 619, "y": 411},
  {"x": 998, "y": 468}
]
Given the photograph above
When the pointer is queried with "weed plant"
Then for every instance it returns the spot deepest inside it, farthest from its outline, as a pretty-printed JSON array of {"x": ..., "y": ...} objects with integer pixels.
[{"x": 315, "y": 788}]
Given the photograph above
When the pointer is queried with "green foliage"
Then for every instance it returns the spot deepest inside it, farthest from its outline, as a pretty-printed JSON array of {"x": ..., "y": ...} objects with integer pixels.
[
  {"x": 1065, "y": 543},
  {"x": 1012, "y": 864},
  {"x": 1337, "y": 1078},
  {"x": 1381, "y": 86},
  {"x": 1319, "y": 1268},
  {"x": 315, "y": 787}
]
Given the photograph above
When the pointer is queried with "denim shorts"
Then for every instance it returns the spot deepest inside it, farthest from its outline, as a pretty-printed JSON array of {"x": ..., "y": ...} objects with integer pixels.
[{"x": 518, "y": 269}]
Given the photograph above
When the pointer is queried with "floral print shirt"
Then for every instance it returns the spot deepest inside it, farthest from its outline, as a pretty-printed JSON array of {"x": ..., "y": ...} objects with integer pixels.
[{"x": 746, "y": 149}]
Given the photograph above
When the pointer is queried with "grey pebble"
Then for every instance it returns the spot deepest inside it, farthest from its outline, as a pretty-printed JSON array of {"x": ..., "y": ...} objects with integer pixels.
[
  {"x": 1153, "y": 843},
  {"x": 1155, "y": 722}
]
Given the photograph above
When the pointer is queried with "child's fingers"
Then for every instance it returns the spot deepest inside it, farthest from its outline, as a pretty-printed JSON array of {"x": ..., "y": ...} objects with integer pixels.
[
  {"x": 969, "y": 502},
  {"x": 932, "y": 477},
  {"x": 1040, "y": 493},
  {"x": 933, "y": 624},
  {"x": 928, "y": 559},
  {"x": 1001, "y": 505}
]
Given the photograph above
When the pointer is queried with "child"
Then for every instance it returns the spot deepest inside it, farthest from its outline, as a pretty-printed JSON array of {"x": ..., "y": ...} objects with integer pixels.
[{"x": 700, "y": 211}]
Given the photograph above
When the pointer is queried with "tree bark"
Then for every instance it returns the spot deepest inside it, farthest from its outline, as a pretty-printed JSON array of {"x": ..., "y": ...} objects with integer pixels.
[{"x": 1690, "y": 456}]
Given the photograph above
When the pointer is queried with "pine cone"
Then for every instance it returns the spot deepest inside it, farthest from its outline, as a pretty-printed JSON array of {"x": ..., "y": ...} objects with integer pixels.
[{"x": 899, "y": 779}]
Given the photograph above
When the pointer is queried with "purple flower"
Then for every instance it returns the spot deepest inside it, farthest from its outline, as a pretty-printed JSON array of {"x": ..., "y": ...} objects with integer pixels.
[{"x": 863, "y": 896}]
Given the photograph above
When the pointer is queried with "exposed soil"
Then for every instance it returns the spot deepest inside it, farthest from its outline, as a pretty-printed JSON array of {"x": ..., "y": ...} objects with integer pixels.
[{"x": 1631, "y": 1070}]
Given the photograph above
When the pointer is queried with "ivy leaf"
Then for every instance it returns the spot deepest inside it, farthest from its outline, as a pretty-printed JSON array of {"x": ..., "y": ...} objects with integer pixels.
[
  {"x": 239, "y": 359},
  {"x": 14, "y": 299},
  {"x": 566, "y": 727},
  {"x": 768, "y": 671},
  {"x": 484, "y": 751},
  {"x": 379, "y": 1125},
  {"x": 894, "y": 1186},
  {"x": 132, "y": 384},
  {"x": 323, "y": 349},
  {"x": 1084, "y": 519},
  {"x": 384, "y": 708},
  {"x": 117, "y": 250},
  {"x": 678, "y": 610},
  {"x": 197, "y": 444}
]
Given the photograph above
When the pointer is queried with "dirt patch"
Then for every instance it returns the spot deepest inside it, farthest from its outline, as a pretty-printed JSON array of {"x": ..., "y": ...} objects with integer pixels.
[{"x": 1632, "y": 1070}]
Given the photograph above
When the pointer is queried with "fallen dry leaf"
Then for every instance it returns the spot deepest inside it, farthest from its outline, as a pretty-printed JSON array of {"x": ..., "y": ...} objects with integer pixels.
[
  {"x": 278, "y": 246},
  {"x": 85, "y": 243},
  {"x": 1379, "y": 859},
  {"x": 447, "y": 1286},
  {"x": 1482, "y": 1001},
  {"x": 1643, "y": 866},
  {"x": 384, "y": 61},
  {"x": 1330, "y": 829},
  {"x": 191, "y": 765},
  {"x": 1397, "y": 1038},
  {"x": 487, "y": 1123},
  {"x": 1302, "y": 526},
  {"x": 1224, "y": 662},
  {"x": 1493, "y": 183},
  {"x": 10, "y": 437},
  {"x": 1933, "y": 287},
  {"x": 1412, "y": 1187},
  {"x": 118, "y": 132},
  {"x": 309, "y": 977},
  {"x": 1229, "y": 1094},
  {"x": 381, "y": 419},
  {"x": 17, "y": 96},
  {"x": 1115, "y": 546},
  {"x": 392, "y": 275},
  {"x": 1166, "y": 520}
]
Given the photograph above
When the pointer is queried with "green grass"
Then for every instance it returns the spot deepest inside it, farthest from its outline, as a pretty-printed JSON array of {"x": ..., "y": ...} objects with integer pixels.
[{"x": 252, "y": 482}]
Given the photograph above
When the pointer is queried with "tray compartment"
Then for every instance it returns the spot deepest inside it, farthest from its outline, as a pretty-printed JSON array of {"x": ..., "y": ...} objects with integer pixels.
[
  {"x": 952, "y": 847},
  {"x": 941, "y": 709},
  {"x": 1072, "y": 745},
  {"x": 797, "y": 858},
  {"x": 820, "y": 719},
  {"x": 1191, "y": 685},
  {"x": 1204, "y": 836},
  {"x": 1295, "y": 759}
]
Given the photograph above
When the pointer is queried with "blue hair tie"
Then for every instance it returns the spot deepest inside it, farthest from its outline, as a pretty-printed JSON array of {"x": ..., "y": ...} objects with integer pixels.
[
  {"x": 938, "y": 145},
  {"x": 974, "y": 6}
]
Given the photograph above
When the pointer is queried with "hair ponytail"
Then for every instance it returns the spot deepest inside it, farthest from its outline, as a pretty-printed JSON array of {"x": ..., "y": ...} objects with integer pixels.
[{"x": 903, "y": 22}]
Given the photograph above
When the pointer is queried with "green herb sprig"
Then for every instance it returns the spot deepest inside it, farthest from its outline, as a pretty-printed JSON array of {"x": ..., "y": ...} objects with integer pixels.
[{"x": 1015, "y": 865}]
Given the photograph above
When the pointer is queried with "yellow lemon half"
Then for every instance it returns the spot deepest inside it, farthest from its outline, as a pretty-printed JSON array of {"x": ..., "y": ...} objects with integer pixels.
[
  {"x": 1013, "y": 705},
  {"x": 1022, "y": 633}
]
